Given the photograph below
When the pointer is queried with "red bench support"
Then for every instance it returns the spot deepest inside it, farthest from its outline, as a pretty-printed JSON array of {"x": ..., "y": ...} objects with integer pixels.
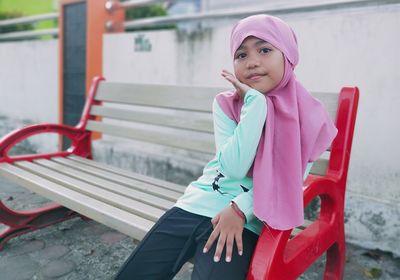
[
  {"x": 277, "y": 256},
  {"x": 18, "y": 222}
]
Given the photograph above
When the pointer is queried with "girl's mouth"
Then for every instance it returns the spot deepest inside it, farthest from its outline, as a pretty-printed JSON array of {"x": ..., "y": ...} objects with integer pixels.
[{"x": 255, "y": 77}]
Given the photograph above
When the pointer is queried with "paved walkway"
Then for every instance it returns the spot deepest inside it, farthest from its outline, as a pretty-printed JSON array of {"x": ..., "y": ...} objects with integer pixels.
[{"x": 85, "y": 250}]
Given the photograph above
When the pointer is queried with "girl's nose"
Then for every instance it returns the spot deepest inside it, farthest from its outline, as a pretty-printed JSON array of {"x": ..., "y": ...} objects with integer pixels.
[{"x": 252, "y": 63}]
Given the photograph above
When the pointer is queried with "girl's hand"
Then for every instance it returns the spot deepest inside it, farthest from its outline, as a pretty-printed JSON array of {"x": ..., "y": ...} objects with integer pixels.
[
  {"x": 240, "y": 87},
  {"x": 228, "y": 226}
]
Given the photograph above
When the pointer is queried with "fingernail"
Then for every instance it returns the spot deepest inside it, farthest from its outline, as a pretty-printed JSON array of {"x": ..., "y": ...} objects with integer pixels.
[
  {"x": 216, "y": 259},
  {"x": 240, "y": 252},
  {"x": 205, "y": 250},
  {"x": 228, "y": 259}
]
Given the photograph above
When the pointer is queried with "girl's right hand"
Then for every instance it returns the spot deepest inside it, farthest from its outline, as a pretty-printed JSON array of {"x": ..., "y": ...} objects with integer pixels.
[
  {"x": 228, "y": 229},
  {"x": 240, "y": 87}
]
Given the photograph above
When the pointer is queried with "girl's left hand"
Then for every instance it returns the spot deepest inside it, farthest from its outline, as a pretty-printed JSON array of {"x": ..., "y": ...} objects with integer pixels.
[{"x": 228, "y": 226}]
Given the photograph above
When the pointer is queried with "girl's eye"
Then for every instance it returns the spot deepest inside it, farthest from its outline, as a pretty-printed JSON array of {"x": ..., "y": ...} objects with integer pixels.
[
  {"x": 265, "y": 50},
  {"x": 240, "y": 55}
]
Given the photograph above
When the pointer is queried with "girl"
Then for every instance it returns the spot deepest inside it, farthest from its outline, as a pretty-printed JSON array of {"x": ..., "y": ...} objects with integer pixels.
[{"x": 268, "y": 130}]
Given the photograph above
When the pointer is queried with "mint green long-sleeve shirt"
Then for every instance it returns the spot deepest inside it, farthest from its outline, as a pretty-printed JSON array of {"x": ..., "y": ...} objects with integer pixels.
[{"x": 224, "y": 177}]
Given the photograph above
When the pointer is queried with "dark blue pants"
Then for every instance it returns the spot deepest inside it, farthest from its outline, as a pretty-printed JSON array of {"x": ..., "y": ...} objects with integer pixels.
[{"x": 177, "y": 237}]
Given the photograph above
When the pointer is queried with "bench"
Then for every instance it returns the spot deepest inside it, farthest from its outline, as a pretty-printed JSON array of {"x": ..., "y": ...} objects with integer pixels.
[{"x": 180, "y": 117}]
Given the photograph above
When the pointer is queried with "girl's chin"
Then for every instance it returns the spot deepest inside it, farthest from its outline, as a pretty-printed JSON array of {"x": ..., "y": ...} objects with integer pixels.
[{"x": 261, "y": 89}]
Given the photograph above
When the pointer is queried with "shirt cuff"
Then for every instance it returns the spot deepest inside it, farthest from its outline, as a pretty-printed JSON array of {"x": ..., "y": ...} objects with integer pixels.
[
  {"x": 251, "y": 93},
  {"x": 245, "y": 203}
]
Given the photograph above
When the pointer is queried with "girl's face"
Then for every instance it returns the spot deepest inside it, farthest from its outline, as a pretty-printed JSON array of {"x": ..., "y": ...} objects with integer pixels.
[{"x": 258, "y": 64}]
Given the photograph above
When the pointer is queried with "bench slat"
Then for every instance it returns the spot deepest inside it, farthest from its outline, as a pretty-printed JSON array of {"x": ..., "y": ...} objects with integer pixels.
[
  {"x": 299, "y": 229},
  {"x": 125, "y": 222},
  {"x": 153, "y": 200},
  {"x": 163, "y": 96},
  {"x": 203, "y": 123},
  {"x": 129, "y": 174},
  {"x": 330, "y": 101},
  {"x": 98, "y": 179},
  {"x": 305, "y": 224},
  {"x": 120, "y": 201},
  {"x": 201, "y": 143},
  {"x": 320, "y": 167}
]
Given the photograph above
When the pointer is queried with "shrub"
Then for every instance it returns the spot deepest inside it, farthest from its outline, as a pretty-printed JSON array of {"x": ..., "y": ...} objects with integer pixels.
[
  {"x": 13, "y": 28},
  {"x": 147, "y": 12}
]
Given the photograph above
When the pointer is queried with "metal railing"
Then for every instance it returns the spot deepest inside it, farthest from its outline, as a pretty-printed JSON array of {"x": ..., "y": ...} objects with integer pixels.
[
  {"x": 272, "y": 8},
  {"x": 29, "y": 19},
  {"x": 28, "y": 34},
  {"x": 111, "y": 5}
]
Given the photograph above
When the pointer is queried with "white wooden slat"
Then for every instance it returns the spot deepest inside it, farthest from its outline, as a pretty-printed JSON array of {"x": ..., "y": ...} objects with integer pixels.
[
  {"x": 203, "y": 123},
  {"x": 123, "y": 221},
  {"x": 129, "y": 174},
  {"x": 164, "y": 96},
  {"x": 181, "y": 97},
  {"x": 330, "y": 101},
  {"x": 320, "y": 167},
  {"x": 144, "y": 197},
  {"x": 299, "y": 229},
  {"x": 154, "y": 190},
  {"x": 115, "y": 183},
  {"x": 182, "y": 141},
  {"x": 117, "y": 200}
]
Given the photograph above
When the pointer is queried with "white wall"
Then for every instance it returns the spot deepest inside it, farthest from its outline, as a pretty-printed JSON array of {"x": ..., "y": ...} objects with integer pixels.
[
  {"x": 338, "y": 48},
  {"x": 29, "y": 80},
  {"x": 29, "y": 88}
]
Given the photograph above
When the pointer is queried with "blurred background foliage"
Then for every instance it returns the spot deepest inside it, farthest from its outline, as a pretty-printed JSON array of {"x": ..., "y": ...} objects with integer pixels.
[
  {"x": 146, "y": 12},
  {"x": 13, "y": 28},
  {"x": 19, "y": 8}
]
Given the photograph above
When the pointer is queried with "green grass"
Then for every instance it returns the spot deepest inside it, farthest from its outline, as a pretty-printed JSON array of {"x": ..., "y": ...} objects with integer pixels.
[
  {"x": 28, "y": 7},
  {"x": 31, "y": 7}
]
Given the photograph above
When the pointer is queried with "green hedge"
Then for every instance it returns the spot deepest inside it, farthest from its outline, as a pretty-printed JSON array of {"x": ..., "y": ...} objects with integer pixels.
[
  {"x": 14, "y": 28},
  {"x": 136, "y": 13},
  {"x": 146, "y": 12}
]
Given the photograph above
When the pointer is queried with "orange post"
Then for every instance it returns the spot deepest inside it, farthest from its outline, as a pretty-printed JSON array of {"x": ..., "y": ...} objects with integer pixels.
[
  {"x": 97, "y": 19},
  {"x": 63, "y": 4}
]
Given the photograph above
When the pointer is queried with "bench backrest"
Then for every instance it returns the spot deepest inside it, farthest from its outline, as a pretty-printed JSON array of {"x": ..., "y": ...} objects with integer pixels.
[{"x": 176, "y": 116}]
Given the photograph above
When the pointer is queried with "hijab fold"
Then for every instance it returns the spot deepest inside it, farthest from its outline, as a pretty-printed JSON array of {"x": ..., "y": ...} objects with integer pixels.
[{"x": 297, "y": 131}]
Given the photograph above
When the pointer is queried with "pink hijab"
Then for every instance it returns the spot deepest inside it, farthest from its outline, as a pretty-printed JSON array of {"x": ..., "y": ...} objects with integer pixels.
[{"x": 298, "y": 129}]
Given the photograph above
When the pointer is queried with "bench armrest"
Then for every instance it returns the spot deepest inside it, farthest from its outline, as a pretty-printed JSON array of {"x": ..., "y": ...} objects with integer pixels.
[
  {"x": 80, "y": 140},
  {"x": 275, "y": 250},
  {"x": 328, "y": 189}
]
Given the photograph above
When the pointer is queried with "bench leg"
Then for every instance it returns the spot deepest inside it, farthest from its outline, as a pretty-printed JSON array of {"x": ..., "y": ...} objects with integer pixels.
[
  {"x": 18, "y": 223},
  {"x": 336, "y": 259}
]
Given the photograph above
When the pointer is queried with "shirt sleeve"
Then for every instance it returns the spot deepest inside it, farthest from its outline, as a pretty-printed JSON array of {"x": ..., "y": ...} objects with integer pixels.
[
  {"x": 237, "y": 143},
  {"x": 245, "y": 203}
]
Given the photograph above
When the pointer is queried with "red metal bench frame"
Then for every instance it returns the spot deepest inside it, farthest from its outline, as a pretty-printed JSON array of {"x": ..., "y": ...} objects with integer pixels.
[{"x": 21, "y": 222}]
